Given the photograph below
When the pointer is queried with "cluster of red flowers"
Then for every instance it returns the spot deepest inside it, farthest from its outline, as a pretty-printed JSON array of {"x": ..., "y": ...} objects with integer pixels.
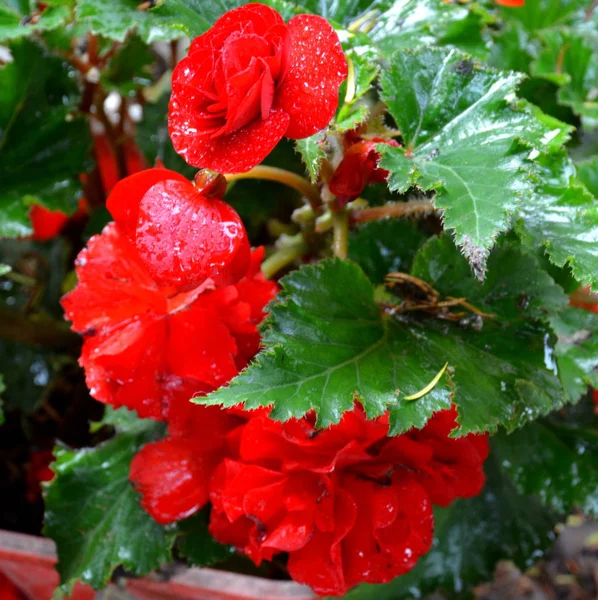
[{"x": 348, "y": 504}]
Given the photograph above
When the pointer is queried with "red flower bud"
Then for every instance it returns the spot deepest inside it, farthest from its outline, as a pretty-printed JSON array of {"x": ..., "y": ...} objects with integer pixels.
[
  {"x": 250, "y": 80},
  {"x": 358, "y": 168},
  {"x": 182, "y": 237}
]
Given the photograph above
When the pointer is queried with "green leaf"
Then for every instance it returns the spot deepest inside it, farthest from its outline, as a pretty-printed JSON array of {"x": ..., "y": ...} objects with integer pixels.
[
  {"x": 562, "y": 216},
  {"x": 571, "y": 62},
  {"x": 43, "y": 147},
  {"x": 16, "y": 22},
  {"x": 94, "y": 516},
  {"x": 129, "y": 68},
  {"x": 382, "y": 247},
  {"x": 394, "y": 24},
  {"x": 554, "y": 461},
  {"x": 327, "y": 343},
  {"x": 153, "y": 139},
  {"x": 515, "y": 290},
  {"x": 197, "y": 545},
  {"x": 465, "y": 139},
  {"x": 363, "y": 69},
  {"x": 471, "y": 536},
  {"x": 542, "y": 14},
  {"x": 587, "y": 173},
  {"x": 312, "y": 153},
  {"x": 577, "y": 350},
  {"x": 169, "y": 20}
]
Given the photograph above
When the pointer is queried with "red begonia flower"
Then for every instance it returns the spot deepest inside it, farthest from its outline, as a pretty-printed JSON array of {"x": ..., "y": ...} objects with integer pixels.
[
  {"x": 358, "y": 168},
  {"x": 250, "y": 80},
  {"x": 182, "y": 237},
  {"x": 148, "y": 347},
  {"x": 511, "y": 3},
  {"x": 348, "y": 504}
]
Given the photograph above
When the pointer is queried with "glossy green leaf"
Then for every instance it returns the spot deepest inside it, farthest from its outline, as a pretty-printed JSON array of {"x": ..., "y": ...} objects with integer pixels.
[
  {"x": 312, "y": 153},
  {"x": 325, "y": 348},
  {"x": 94, "y": 516},
  {"x": 382, "y": 247},
  {"x": 363, "y": 68},
  {"x": 16, "y": 22},
  {"x": 587, "y": 173},
  {"x": 516, "y": 289},
  {"x": 169, "y": 20},
  {"x": 562, "y": 216},
  {"x": 195, "y": 543},
  {"x": 471, "y": 536},
  {"x": 542, "y": 14},
  {"x": 394, "y": 24},
  {"x": 571, "y": 62},
  {"x": 554, "y": 461},
  {"x": 577, "y": 350},
  {"x": 44, "y": 147},
  {"x": 465, "y": 139}
]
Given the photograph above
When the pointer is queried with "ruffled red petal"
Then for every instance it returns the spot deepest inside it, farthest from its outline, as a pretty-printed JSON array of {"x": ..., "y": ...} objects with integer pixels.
[
  {"x": 309, "y": 92},
  {"x": 234, "y": 153},
  {"x": 172, "y": 480}
]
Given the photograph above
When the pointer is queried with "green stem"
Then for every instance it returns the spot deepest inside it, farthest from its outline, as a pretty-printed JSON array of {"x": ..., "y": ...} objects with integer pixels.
[
  {"x": 283, "y": 257},
  {"x": 302, "y": 185},
  {"x": 340, "y": 233}
]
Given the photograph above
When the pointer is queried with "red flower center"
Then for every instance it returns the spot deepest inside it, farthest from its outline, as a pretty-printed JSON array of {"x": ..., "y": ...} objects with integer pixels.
[{"x": 246, "y": 67}]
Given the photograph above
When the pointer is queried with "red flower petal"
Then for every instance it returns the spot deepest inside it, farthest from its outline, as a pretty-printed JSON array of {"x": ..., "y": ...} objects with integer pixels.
[
  {"x": 123, "y": 202},
  {"x": 309, "y": 92},
  {"x": 172, "y": 480},
  {"x": 47, "y": 224},
  {"x": 185, "y": 238},
  {"x": 234, "y": 153},
  {"x": 107, "y": 269}
]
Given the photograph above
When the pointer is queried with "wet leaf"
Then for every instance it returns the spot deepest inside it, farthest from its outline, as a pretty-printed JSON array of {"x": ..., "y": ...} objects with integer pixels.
[
  {"x": 464, "y": 138},
  {"x": 562, "y": 217},
  {"x": 325, "y": 347},
  {"x": 555, "y": 461},
  {"x": 94, "y": 516},
  {"x": 577, "y": 350},
  {"x": 44, "y": 147}
]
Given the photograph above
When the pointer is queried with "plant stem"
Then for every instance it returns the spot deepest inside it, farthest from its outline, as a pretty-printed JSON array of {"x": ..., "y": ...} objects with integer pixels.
[
  {"x": 283, "y": 257},
  {"x": 340, "y": 233},
  {"x": 392, "y": 209},
  {"x": 302, "y": 185}
]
